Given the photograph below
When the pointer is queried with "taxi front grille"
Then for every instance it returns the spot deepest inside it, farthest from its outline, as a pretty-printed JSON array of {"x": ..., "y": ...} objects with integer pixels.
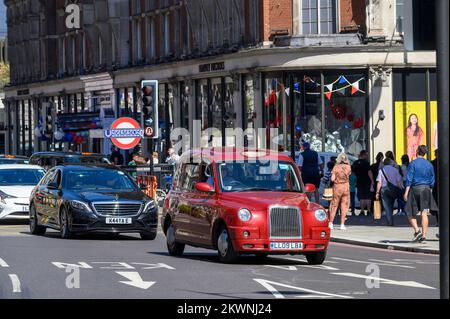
[{"x": 285, "y": 223}]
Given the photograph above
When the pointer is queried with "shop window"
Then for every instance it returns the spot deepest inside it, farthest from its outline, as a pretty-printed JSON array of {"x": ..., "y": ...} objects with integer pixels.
[
  {"x": 229, "y": 112},
  {"x": 345, "y": 113},
  {"x": 276, "y": 112},
  {"x": 185, "y": 98},
  {"x": 216, "y": 109},
  {"x": 307, "y": 112},
  {"x": 249, "y": 110}
]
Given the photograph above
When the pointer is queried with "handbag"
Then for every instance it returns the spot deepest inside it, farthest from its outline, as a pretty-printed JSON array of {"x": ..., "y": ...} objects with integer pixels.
[
  {"x": 377, "y": 209},
  {"x": 328, "y": 190},
  {"x": 394, "y": 190}
]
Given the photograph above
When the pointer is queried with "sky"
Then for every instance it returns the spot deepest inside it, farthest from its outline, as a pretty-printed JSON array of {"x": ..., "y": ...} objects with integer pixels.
[{"x": 2, "y": 19}]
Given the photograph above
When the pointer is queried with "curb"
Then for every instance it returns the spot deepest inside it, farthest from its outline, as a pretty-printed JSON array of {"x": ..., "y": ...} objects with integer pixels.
[{"x": 385, "y": 246}]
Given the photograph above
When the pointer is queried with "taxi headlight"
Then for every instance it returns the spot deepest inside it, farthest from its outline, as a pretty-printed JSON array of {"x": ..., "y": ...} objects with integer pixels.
[
  {"x": 244, "y": 215},
  {"x": 320, "y": 215}
]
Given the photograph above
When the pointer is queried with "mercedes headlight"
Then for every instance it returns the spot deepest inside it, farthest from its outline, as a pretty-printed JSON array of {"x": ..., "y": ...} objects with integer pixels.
[
  {"x": 3, "y": 196},
  {"x": 320, "y": 215},
  {"x": 149, "y": 206},
  {"x": 244, "y": 215},
  {"x": 80, "y": 206}
]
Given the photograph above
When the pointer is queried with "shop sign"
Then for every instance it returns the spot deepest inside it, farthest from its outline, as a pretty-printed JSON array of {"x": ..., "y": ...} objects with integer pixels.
[
  {"x": 125, "y": 133},
  {"x": 210, "y": 67}
]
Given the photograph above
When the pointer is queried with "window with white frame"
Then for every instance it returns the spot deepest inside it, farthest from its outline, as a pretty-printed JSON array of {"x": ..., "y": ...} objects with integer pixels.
[
  {"x": 317, "y": 16},
  {"x": 399, "y": 15}
]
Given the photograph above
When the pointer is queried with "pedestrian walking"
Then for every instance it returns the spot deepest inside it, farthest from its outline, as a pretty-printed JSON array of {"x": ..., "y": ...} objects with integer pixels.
[
  {"x": 389, "y": 188},
  {"x": 373, "y": 175},
  {"x": 404, "y": 173},
  {"x": 311, "y": 168},
  {"x": 361, "y": 167},
  {"x": 352, "y": 181},
  {"x": 341, "y": 189},
  {"x": 418, "y": 195}
]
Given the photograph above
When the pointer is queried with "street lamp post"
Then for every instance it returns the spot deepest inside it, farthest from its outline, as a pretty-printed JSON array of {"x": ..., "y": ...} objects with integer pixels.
[{"x": 442, "y": 12}]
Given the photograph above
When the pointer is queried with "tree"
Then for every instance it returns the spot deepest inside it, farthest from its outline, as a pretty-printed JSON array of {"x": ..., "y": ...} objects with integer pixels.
[{"x": 4, "y": 74}]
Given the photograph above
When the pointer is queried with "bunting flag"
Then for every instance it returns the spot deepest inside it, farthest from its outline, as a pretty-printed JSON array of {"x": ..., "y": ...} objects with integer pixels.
[
  {"x": 342, "y": 80},
  {"x": 330, "y": 87},
  {"x": 328, "y": 95},
  {"x": 288, "y": 91},
  {"x": 355, "y": 88},
  {"x": 297, "y": 87}
]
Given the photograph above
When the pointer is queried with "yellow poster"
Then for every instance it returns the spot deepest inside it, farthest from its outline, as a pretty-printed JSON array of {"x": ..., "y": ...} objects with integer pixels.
[{"x": 411, "y": 128}]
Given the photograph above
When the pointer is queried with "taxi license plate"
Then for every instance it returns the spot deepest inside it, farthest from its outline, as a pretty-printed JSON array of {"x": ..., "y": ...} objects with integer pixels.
[
  {"x": 286, "y": 246},
  {"x": 118, "y": 221}
]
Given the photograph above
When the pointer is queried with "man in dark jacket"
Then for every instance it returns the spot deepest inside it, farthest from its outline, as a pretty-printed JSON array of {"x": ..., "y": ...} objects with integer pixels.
[
  {"x": 361, "y": 167},
  {"x": 311, "y": 167}
]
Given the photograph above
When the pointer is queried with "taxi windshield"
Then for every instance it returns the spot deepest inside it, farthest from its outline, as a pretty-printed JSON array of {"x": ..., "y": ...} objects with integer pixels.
[{"x": 258, "y": 175}]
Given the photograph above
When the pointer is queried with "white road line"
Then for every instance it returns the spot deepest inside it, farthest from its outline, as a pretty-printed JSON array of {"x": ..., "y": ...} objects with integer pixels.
[
  {"x": 135, "y": 280},
  {"x": 315, "y": 294},
  {"x": 3, "y": 263},
  {"x": 15, "y": 283},
  {"x": 372, "y": 262},
  {"x": 413, "y": 284}
]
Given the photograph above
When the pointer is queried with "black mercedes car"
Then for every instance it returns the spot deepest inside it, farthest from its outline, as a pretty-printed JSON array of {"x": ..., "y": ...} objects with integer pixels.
[{"x": 78, "y": 199}]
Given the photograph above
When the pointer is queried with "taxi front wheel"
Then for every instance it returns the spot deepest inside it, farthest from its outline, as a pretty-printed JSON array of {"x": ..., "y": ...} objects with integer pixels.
[
  {"x": 225, "y": 247},
  {"x": 316, "y": 258}
]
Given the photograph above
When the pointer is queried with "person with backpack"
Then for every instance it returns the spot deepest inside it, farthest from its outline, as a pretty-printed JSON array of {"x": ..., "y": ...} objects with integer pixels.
[{"x": 389, "y": 187}]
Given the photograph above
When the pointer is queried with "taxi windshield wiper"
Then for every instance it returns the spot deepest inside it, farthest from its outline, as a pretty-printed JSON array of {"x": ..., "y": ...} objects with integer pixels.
[{"x": 255, "y": 189}]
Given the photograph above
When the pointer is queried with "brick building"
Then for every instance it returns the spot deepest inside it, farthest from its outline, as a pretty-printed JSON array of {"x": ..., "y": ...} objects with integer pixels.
[{"x": 318, "y": 71}]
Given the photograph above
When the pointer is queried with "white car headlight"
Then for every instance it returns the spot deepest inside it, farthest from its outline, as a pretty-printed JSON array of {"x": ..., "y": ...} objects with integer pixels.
[
  {"x": 320, "y": 215},
  {"x": 244, "y": 215},
  {"x": 80, "y": 205}
]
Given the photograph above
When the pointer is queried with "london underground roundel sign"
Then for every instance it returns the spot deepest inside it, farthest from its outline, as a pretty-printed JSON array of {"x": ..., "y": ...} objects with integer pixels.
[{"x": 125, "y": 133}]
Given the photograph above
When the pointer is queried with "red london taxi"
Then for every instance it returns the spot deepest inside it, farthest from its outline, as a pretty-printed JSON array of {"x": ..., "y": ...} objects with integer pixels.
[{"x": 242, "y": 201}]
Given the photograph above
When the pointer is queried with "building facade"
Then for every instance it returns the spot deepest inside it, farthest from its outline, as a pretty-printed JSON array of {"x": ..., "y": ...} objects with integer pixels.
[{"x": 343, "y": 75}]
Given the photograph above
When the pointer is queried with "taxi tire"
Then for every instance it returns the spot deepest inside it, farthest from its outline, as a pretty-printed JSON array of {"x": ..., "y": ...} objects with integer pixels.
[
  {"x": 176, "y": 249},
  {"x": 231, "y": 256},
  {"x": 35, "y": 228},
  {"x": 316, "y": 258},
  {"x": 65, "y": 232},
  {"x": 148, "y": 235}
]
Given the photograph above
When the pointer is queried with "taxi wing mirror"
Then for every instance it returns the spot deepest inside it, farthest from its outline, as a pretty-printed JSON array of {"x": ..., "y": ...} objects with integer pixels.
[
  {"x": 310, "y": 188},
  {"x": 52, "y": 186},
  {"x": 204, "y": 187}
]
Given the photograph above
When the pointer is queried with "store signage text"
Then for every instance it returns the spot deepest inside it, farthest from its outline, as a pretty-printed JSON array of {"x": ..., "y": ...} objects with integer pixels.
[{"x": 209, "y": 67}]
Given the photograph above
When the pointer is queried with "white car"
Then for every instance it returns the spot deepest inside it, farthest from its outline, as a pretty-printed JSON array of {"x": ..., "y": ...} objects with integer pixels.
[{"x": 16, "y": 183}]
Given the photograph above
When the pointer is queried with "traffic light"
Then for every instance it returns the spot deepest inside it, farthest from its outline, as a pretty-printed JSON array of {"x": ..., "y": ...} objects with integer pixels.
[
  {"x": 49, "y": 120},
  {"x": 149, "y": 91}
]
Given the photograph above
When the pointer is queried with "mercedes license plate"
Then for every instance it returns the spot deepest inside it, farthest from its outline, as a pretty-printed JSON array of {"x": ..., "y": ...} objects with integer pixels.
[
  {"x": 286, "y": 246},
  {"x": 118, "y": 221}
]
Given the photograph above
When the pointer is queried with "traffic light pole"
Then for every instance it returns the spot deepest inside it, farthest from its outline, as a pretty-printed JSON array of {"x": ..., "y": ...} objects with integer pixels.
[
  {"x": 442, "y": 11},
  {"x": 150, "y": 150}
]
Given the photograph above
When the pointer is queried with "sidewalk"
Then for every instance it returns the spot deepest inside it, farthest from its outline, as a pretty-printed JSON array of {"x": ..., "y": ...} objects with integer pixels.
[{"x": 365, "y": 231}]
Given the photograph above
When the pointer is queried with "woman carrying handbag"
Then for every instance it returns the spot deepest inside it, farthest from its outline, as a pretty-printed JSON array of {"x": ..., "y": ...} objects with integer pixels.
[{"x": 341, "y": 189}]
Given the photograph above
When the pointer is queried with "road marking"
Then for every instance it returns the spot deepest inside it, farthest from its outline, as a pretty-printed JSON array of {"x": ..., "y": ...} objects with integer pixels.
[
  {"x": 322, "y": 267},
  {"x": 63, "y": 265},
  {"x": 371, "y": 262},
  {"x": 282, "y": 267},
  {"x": 3, "y": 263},
  {"x": 413, "y": 284},
  {"x": 114, "y": 265},
  {"x": 154, "y": 266},
  {"x": 316, "y": 294},
  {"x": 135, "y": 280},
  {"x": 15, "y": 283}
]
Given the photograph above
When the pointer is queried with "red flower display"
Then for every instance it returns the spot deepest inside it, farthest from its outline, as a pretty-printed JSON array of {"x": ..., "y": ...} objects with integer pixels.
[
  {"x": 339, "y": 111},
  {"x": 359, "y": 123}
]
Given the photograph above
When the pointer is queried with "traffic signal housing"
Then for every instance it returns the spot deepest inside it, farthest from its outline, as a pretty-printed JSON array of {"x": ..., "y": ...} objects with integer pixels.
[
  {"x": 49, "y": 120},
  {"x": 149, "y": 92}
]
